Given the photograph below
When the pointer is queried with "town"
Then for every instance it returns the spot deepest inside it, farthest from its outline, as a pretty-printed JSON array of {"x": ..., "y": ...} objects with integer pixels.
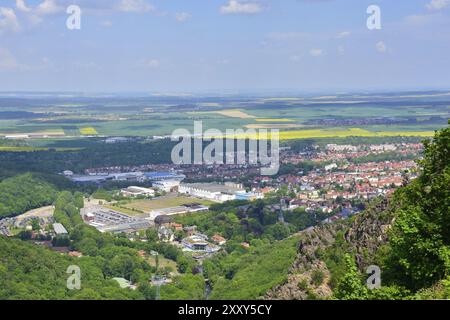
[{"x": 338, "y": 182}]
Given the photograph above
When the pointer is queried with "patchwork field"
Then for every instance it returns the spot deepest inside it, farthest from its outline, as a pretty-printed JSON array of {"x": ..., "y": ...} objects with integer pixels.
[
  {"x": 273, "y": 126},
  {"x": 338, "y": 133},
  {"x": 298, "y": 117}
]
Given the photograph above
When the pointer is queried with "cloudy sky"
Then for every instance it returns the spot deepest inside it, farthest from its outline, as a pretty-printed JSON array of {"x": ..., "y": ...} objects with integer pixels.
[{"x": 224, "y": 45}]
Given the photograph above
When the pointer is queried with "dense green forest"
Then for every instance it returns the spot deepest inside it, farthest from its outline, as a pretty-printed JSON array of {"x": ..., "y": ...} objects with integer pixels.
[
  {"x": 96, "y": 155},
  {"x": 22, "y": 193},
  {"x": 250, "y": 274}
]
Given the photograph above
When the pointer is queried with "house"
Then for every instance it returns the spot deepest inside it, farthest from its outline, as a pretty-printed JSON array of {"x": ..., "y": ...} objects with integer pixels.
[
  {"x": 165, "y": 234},
  {"x": 176, "y": 226},
  {"x": 195, "y": 243},
  {"x": 245, "y": 245},
  {"x": 190, "y": 230},
  {"x": 199, "y": 243},
  {"x": 219, "y": 239},
  {"x": 141, "y": 253},
  {"x": 75, "y": 254}
]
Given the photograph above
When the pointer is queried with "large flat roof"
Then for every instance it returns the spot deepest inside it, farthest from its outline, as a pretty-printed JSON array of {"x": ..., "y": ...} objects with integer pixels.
[
  {"x": 59, "y": 228},
  {"x": 213, "y": 187}
]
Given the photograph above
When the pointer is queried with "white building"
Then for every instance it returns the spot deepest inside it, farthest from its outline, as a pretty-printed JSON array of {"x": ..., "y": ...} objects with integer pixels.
[
  {"x": 59, "y": 229},
  {"x": 212, "y": 191},
  {"x": 167, "y": 185},
  {"x": 137, "y": 191}
]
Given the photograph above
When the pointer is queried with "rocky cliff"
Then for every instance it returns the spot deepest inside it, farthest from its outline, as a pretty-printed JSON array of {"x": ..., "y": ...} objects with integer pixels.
[{"x": 310, "y": 277}]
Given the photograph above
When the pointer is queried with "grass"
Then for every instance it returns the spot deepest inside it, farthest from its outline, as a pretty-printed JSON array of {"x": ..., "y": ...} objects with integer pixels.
[
  {"x": 163, "y": 262},
  {"x": 163, "y": 202}
]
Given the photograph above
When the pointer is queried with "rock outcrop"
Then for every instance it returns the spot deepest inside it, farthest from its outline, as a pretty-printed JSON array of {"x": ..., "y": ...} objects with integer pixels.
[{"x": 362, "y": 237}]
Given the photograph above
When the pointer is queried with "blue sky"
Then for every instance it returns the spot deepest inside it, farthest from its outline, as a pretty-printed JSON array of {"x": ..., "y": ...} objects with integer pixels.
[{"x": 224, "y": 46}]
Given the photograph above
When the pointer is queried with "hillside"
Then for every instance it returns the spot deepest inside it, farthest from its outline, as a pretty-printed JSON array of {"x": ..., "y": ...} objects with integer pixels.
[
  {"x": 407, "y": 236},
  {"x": 29, "y": 272},
  {"x": 22, "y": 193}
]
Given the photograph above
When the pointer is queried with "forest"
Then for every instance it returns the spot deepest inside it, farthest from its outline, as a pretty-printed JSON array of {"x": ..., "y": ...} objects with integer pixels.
[{"x": 24, "y": 192}]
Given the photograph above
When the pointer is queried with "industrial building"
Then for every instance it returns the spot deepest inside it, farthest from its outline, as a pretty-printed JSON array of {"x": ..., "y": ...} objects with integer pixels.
[
  {"x": 166, "y": 185},
  {"x": 164, "y": 176},
  {"x": 124, "y": 176},
  {"x": 107, "y": 220},
  {"x": 137, "y": 192},
  {"x": 102, "y": 178},
  {"x": 188, "y": 208},
  {"x": 59, "y": 229},
  {"x": 218, "y": 192}
]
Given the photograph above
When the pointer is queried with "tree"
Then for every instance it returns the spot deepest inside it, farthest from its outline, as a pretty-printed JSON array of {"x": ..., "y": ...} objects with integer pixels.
[
  {"x": 351, "y": 286},
  {"x": 152, "y": 235},
  {"x": 419, "y": 253}
]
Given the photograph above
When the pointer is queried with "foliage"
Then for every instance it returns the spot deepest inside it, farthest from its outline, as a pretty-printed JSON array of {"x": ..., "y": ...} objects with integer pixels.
[
  {"x": 251, "y": 274},
  {"x": 188, "y": 287},
  {"x": 419, "y": 254},
  {"x": 22, "y": 193},
  {"x": 29, "y": 272}
]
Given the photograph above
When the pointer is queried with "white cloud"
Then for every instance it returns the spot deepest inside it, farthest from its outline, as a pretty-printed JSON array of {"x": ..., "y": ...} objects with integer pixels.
[
  {"x": 381, "y": 47},
  {"x": 150, "y": 63},
  {"x": 240, "y": 7},
  {"x": 134, "y": 6},
  {"x": 48, "y": 7},
  {"x": 8, "y": 20},
  {"x": 343, "y": 34},
  {"x": 182, "y": 16},
  {"x": 438, "y": 4},
  {"x": 341, "y": 50},
  {"x": 316, "y": 52},
  {"x": 21, "y": 6}
]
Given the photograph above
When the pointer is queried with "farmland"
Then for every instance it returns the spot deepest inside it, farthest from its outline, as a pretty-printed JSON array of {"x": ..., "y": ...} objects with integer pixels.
[
  {"x": 328, "y": 133},
  {"x": 50, "y": 118}
]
